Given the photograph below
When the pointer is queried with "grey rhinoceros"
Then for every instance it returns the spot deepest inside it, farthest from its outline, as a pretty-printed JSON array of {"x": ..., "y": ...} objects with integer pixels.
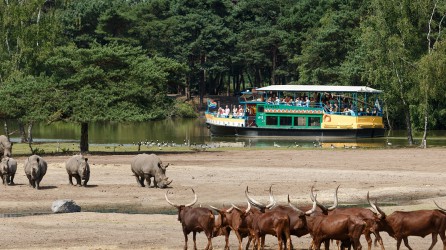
[
  {"x": 35, "y": 169},
  {"x": 5, "y": 146},
  {"x": 8, "y": 167},
  {"x": 77, "y": 166},
  {"x": 145, "y": 166}
]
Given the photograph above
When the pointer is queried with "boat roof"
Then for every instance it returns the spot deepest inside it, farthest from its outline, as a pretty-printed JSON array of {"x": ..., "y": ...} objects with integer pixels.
[{"x": 319, "y": 88}]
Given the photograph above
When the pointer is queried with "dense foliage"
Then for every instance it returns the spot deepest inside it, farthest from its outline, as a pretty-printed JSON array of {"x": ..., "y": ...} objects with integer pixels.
[{"x": 100, "y": 60}]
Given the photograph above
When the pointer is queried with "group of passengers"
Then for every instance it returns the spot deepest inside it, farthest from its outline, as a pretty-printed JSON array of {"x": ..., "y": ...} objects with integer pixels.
[
  {"x": 332, "y": 104},
  {"x": 237, "y": 112},
  {"x": 299, "y": 101}
]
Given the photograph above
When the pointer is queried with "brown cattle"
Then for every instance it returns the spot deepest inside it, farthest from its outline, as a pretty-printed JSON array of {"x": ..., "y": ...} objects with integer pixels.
[
  {"x": 271, "y": 222},
  {"x": 400, "y": 225},
  {"x": 365, "y": 214},
  {"x": 341, "y": 227},
  {"x": 237, "y": 219},
  {"x": 195, "y": 220}
]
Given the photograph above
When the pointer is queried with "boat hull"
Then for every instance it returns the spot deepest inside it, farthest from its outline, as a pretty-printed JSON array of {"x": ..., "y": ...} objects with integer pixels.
[{"x": 218, "y": 130}]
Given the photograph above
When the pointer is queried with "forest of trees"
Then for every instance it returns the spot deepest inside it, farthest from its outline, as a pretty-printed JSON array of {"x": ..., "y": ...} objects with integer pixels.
[{"x": 116, "y": 60}]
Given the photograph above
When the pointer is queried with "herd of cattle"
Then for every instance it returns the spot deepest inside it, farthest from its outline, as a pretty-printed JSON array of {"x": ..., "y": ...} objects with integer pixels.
[{"x": 345, "y": 225}]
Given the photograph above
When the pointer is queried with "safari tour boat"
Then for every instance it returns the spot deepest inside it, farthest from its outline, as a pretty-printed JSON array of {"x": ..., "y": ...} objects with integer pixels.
[{"x": 300, "y": 110}]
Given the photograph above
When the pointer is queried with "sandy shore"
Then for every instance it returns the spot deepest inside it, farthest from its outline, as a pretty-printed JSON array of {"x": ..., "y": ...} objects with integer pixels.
[{"x": 118, "y": 214}]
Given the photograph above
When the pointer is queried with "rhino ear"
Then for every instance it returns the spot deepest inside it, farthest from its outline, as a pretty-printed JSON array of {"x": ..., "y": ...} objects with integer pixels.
[
  {"x": 167, "y": 165},
  {"x": 86, "y": 159}
]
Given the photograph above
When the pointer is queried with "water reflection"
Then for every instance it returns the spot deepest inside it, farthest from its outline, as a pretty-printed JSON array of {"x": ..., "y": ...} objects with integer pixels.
[{"x": 194, "y": 131}]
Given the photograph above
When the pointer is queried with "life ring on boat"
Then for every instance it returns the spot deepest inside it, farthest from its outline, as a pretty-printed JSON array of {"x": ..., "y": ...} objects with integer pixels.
[{"x": 326, "y": 118}]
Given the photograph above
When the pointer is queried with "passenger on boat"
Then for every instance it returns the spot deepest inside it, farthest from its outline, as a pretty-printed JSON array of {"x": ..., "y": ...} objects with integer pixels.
[
  {"x": 307, "y": 102},
  {"x": 240, "y": 112},
  {"x": 220, "y": 112},
  {"x": 227, "y": 111},
  {"x": 234, "y": 111},
  {"x": 299, "y": 101},
  {"x": 269, "y": 101},
  {"x": 277, "y": 101}
]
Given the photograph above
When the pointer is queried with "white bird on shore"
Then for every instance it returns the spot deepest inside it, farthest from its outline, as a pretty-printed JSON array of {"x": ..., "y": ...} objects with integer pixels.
[{"x": 276, "y": 145}]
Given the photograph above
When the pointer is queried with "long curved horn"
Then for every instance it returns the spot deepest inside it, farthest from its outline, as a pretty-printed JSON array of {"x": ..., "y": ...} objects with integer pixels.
[
  {"x": 230, "y": 209},
  {"x": 168, "y": 201},
  {"x": 193, "y": 202},
  {"x": 371, "y": 204},
  {"x": 335, "y": 204},
  {"x": 168, "y": 182},
  {"x": 248, "y": 208},
  {"x": 252, "y": 201},
  {"x": 313, "y": 209},
  {"x": 381, "y": 212},
  {"x": 313, "y": 198},
  {"x": 272, "y": 201},
  {"x": 294, "y": 207},
  {"x": 216, "y": 209},
  {"x": 442, "y": 209}
]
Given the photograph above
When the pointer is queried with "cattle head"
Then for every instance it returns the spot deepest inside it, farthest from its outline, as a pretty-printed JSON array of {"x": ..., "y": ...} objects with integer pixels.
[
  {"x": 322, "y": 207},
  {"x": 259, "y": 205},
  {"x": 182, "y": 208},
  {"x": 380, "y": 213}
]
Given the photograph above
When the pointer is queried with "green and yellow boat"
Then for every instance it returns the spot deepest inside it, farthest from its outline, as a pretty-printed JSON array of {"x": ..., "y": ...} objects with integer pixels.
[{"x": 300, "y": 110}]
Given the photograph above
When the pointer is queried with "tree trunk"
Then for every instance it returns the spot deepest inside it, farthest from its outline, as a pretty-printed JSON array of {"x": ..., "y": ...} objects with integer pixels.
[
  {"x": 23, "y": 138},
  {"x": 5, "y": 126},
  {"x": 30, "y": 132},
  {"x": 84, "y": 137},
  {"x": 426, "y": 116},
  {"x": 408, "y": 125}
]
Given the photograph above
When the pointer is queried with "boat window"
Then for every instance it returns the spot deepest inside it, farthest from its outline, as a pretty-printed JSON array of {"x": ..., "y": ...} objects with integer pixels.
[
  {"x": 315, "y": 121},
  {"x": 271, "y": 120},
  {"x": 261, "y": 109},
  {"x": 285, "y": 121},
  {"x": 300, "y": 121}
]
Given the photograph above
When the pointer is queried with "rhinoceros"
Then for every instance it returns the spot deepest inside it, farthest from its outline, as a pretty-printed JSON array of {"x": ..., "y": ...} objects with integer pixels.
[
  {"x": 8, "y": 167},
  {"x": 77, "y": 166},
  {"x": 145, "y": 166},
  {"x": 5, "y": 146},
  {"x": 35, "y": 169}
]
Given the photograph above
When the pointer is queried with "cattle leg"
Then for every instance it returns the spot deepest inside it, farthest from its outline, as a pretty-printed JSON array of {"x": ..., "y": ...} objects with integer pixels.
[
  {"x": 194, "y": 238},
  {"x": 239, "y": 238},
  {"x": 368, "y": 239},
  {"x": 185, "y": 240},
  {"x": 443, "y": 238},
  {"x": 434, "y": 241},
  {"x": 379, "y": 239},
  {"x": 406, "y": 243}
]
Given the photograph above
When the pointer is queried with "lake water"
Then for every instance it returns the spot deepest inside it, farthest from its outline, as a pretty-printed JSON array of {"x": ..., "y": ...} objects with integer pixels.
[{"x": 194, "y": 131}]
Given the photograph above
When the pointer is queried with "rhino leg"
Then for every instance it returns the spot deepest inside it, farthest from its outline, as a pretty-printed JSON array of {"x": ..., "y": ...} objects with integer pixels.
[
  {"x": 147, "y": 177},
  {"x": 78, "y": 180},
  {"x": 139, "y": 180},
  {"x": 70, "y": 179},
  {"x": 85, "y": 182},
  {"x": 37, "y": 186},
  {"x": 4, "y": 179},
  {"x": 11, "y": 179}
]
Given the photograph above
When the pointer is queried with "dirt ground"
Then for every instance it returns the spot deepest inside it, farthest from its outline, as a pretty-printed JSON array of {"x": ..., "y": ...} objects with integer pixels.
[{"x": 118, "y": 214}]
